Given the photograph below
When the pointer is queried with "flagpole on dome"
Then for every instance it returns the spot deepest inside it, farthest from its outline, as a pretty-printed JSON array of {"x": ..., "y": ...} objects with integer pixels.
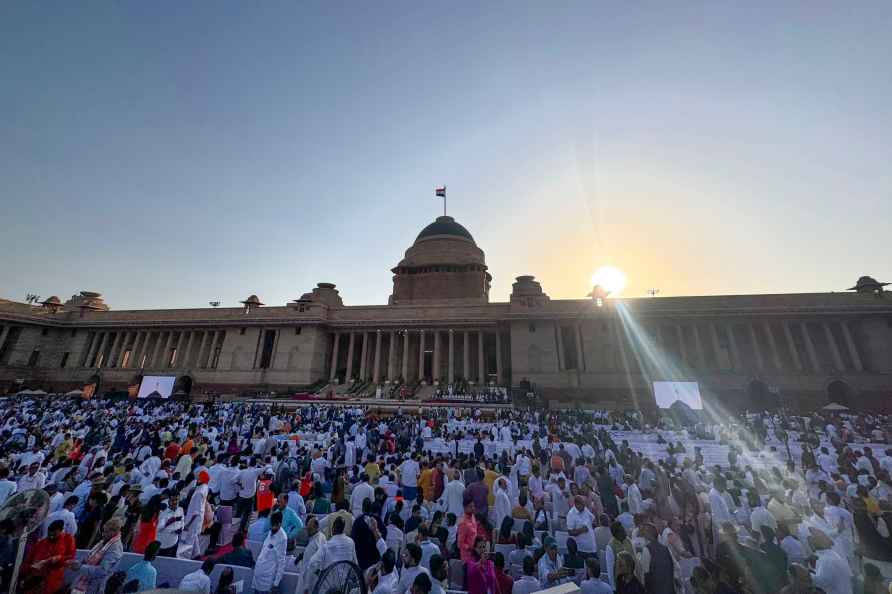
[{"x": 440, "y": 192}]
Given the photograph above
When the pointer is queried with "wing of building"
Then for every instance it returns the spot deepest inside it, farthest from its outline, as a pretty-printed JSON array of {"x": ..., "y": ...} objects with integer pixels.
[{"x": 746, "y": 351}]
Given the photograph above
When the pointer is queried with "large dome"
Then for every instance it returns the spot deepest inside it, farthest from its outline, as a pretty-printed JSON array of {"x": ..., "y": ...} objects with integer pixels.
[
  {"x": 444, "y": 262},
  {"x": 444, "y": 226}
]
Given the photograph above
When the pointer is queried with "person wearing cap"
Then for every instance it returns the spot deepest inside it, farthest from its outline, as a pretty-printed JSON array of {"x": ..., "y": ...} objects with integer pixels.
[
  {"x": 551, "y": 566},
  {"x": 193, "y": 523}
]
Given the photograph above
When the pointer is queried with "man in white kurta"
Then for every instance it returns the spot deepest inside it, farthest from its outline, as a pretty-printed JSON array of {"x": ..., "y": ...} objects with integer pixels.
[
  {"x": 271, "y": 560},
  {"x": 314, "y": 544},
  {"x": 194, "y": 520},
  {"x": 451, "y": 500}
]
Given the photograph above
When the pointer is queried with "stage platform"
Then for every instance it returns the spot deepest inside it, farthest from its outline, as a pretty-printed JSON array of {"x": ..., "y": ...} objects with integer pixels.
[{"x": 382, "y": 404}]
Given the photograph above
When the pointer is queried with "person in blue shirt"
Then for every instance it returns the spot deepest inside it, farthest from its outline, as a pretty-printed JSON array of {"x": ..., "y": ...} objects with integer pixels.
[
  {"x": 259, "y": 529},
  {"x": 143, "y": 571},
  {"x": 291, "y": 522}
]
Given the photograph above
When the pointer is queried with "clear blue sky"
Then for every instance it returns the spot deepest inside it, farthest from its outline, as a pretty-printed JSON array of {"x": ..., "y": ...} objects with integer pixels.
[{"x": 171, "y": 153}]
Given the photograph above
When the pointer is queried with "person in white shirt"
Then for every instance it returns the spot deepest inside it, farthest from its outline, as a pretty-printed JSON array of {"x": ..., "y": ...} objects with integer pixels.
[
  {"x": 199, "y": 580},
  {"x": 227, "y": 481},
  {"x": 409, "y": 471},
  {"x": 411, "y": 568},
  {"x": 633, "y": 496},
  {"x": 558, "y": 493},
  {"x": 7, "y": 487},
  {"x": 339, "y": 547},
  {"x": 33, "y": 480},
  {"x": 593, "y": 584},
  {"x": 170, "y": 524},
  {"x": 528, "y": 582},
  {"x": 451, "y": 500},
  {"x": 361, "y": 492},
  {"x": 384, "y": 580},
  {"x": 247, "y": 489},
  {"x": 832, "y": 573},
  {"x": 502, "y": 508},
  {"x": 66, "y": 515},
  {"x": 760, "y": 516},
  {"x": 270, "y": 564},
  {"x": 428, "y": 548},
  {"x": 315, "y": 543},
  {"x": 189, "y": 539},
  {"x": 579, "y": 526}
]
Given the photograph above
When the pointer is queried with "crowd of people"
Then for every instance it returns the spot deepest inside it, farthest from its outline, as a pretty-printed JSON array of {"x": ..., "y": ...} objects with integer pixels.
[{"x": 436, "y": 500}]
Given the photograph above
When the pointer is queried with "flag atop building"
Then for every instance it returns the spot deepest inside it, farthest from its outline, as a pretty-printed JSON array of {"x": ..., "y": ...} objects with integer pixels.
[{"x": 441, "y": 191}]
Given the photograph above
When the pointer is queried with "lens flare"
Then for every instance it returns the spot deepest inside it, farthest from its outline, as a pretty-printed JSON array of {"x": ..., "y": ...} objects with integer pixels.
[{"x": 611, "y": 279}]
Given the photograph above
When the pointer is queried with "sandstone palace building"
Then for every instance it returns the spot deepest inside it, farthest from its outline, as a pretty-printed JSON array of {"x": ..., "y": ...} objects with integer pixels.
[{"x": 746, "y": 351}]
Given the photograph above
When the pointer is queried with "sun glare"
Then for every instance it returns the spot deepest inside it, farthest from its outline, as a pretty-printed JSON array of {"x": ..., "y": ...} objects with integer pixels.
[{"x": 612, "y": 279}]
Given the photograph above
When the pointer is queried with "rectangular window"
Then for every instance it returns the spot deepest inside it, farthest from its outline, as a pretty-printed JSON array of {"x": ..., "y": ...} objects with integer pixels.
[
  {"x": 297, "y": 330},
  {"x": 242, "y": 331},
  {"x": 74, "y": 332},
  {"x": 45, "y": 331},
  {"x": 34, "y": 358},
  {"x": 64, "y": 359}
]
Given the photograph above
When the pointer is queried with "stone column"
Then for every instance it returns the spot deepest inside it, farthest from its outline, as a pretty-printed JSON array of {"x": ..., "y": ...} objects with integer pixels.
[
  {"x": 180, "y": 348},
  {"x": 756, "y": 350},
  {"x": 187, "y": 351},
  {"x": 334, "y": 357},
  {"x": 846, "y": 332},
  {"x": 698, "y": 346},
  {"x": 134, "y": 345},
  {"x": 451, "y": 355},
  {"x": 435, "y": 372},
  {"x": 134, "y": 336},
  {"x": 363, "y": 356},
  {"x": 376, "y": 372},
  {"x": 3, "y": 334},
  {"x": 421, "y": 355},
  {"x": 405, "y": 370},
  {"x": 119, "y": 356},
  {"x": 620, "y": 344},
  {"x": 391, "y": 356},
  {"x": 115, "y": 353},
  {"x": 834, "y": 349},
  {"x": 466, "y": 357},
  {"x": 481, "y": 360},
  {"x": 809, "y": 346},
  {"x": 164, "y": 363},
  {"x": 100, "y": 347},
  {"x": 152, "y": 360},
  {"x": 350, "y": 346},
  {"x": 142, "y": 343},
  {"x": 200, "y": 360},
  {"x": 559, "y": 338},
  {"x": 218, "y": 337},
  {"x": 732, "y": 342},
  {"x": 580, "y": 363},
  {"x": 499, "y": 377},
  {"x": 717, "y": 347},
  {"x": 682, "y": 349},
  {"x": 772, "y": 344},
  {"x": 791, "y": 344}
]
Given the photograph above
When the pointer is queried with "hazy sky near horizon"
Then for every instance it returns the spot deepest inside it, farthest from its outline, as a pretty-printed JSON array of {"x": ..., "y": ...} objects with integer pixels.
[{"x": 171, "y": 153}]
